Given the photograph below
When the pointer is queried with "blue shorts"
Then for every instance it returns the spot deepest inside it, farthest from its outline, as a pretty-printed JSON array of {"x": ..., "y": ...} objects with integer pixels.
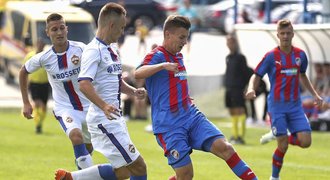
[
  {"x": 178, "y": 143},
  {"x": 294, "y": 120}
]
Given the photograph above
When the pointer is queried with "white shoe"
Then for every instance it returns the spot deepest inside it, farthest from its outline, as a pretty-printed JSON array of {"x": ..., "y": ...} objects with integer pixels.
[
  {"x": 148, "y": 128},
  {"x": 267, "y": 137},
  {"x": 272, "y": 178}
]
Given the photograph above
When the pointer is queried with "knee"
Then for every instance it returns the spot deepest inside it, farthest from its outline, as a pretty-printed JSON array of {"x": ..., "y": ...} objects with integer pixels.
[
  {"x": 222, "y": 149},
  {"x": 305, "y": 143},
  {"x": 76, "y": 136},
  {"x": 138, "y": 167}
]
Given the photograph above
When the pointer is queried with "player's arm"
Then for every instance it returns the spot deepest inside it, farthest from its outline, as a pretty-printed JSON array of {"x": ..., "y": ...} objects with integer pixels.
[
  {"x": 23, "y": 84},
  {"x": 87, "y": 88},
  {"x": 252, "y": 86},
  {"x": 149, "y": 70},
  {"x": 308, "y": 85},
  {"x": 140, "y": 93}
]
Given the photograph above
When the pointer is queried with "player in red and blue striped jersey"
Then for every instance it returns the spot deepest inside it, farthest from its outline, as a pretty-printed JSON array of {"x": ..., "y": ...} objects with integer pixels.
[
  {"x": 286, "y": 66},
  {"x": 178, "y": 125}
]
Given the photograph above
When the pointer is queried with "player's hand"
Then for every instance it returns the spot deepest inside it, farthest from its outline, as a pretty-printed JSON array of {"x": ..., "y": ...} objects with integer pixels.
[
  {"x": 140, "y": 93},
  {"x": 111, "y": 112},
  {"x": 27, "y": 111},
  {"x": 250, "y": 94},
  {"x": 318, "y": 101},
  {"x": 171, "y": 66}
]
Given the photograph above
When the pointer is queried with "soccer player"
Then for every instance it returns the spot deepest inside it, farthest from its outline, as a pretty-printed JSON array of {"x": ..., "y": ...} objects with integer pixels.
[
  {"x": 62, "y": 64},
  {"x": 285, "y": 66},
  {"x": 100, "y": 80},
  {"x": 39, "y": 89},
  {"x": 178, "y": 125}
]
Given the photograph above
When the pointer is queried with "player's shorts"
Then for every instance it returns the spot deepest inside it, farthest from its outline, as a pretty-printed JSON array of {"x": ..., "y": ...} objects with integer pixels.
[
  {"x": 71, "y": 119},
  {"x": 178, "y": 143},
  {"x": 234, "y": 98},
  {"x": 294, "y": 120},
  {"x": 111, "y": 139},
  {"x": 39, "y": 91}
]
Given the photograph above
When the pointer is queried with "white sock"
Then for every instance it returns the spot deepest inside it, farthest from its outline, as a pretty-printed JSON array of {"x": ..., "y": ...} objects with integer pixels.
[
  {"x": 84, "y": 161},
  {"x": 87, "y": 174}
]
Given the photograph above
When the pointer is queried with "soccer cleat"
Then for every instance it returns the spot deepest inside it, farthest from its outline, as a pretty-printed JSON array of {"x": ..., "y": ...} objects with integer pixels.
[
  {"x": 62, "y": 174},
  {"x": 267, "y": 137}
]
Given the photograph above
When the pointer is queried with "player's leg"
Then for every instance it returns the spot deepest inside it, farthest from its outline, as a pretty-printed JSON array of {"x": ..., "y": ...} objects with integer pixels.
[
  {"x": 205, "y": 136},
  {"x": 112, "y": 139},
  {"x": 177, "y": 151},
  {"x": 71, "y": 122},
  {"x": 279, "y": 128},
  {"x": 39, "y": 93},
  {"x": 300, "y": 129}
]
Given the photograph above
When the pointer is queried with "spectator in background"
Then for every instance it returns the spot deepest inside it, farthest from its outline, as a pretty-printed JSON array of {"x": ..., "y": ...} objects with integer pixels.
[
  {"x": 39, "y": 89},
  {"x": 188, "y": 11},
  {"x": 236, "y": 79},
  {"x": 246, "y": 16},
  {"x": 142, "y": 31}
]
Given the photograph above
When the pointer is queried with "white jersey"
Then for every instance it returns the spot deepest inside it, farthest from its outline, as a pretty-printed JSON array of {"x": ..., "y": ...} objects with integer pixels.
[
  {"x": 62, "y": 70},
  {"x": 101, "y": 64}
]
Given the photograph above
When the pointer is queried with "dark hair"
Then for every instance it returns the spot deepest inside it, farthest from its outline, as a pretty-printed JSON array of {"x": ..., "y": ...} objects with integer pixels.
[
  {"x": 176, "y": 21},
  {"x": 283, "y": 23},
  {"x": 54, "y": 17},
  {"x": 111, "y": 9}
]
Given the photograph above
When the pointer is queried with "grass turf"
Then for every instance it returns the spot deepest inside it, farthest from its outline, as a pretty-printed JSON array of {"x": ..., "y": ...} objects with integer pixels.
[{"x": 25, "y": 155}]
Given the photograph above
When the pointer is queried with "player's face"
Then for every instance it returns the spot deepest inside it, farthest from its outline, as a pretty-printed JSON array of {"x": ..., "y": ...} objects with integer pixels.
[
  {"x": 285, "y": 36},
  {"x": 118, "y": 28},
  {"x": 177, "y": 38},
  {"x": 57, "y": 31}
]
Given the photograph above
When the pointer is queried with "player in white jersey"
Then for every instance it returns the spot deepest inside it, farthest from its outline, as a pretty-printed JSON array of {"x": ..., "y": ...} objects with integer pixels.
[
  {"x": 100, "y": 80},
  {"x": 62, "y": 64}
]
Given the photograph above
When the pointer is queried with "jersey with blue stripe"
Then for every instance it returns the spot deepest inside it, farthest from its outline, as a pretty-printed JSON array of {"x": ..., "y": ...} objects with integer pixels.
[
  {"x": 283, "y": 71},
  {"x": 168, "y": 91},
  {"x": 101, "y": 64},
  {"x": 62, "y": 71}
]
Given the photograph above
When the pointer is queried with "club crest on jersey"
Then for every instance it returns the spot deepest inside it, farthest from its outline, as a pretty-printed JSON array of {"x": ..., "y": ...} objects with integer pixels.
[
  {"x": 298, "y": 61},
  {"x": 175, "y": 154},
  {"x": 75, "y": 59},
  {"x": 69, "y": 120},
  {"x": 131, "y": 148}
]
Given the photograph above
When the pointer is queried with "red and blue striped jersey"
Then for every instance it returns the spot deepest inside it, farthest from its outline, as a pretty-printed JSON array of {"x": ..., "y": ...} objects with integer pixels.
[
  {"x": 283, "y": 71},
  {"x": 167, "y": 91}
]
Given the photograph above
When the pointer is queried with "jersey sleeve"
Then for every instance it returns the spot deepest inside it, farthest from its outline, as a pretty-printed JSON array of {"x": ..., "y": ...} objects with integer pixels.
[
  {"x": 263, "y": 66},
  {"x": 304, "y": 62},
  {"x": 151, "y": 59},
  {"x": 89, "y": 63},
  {"x": 33, "y": 64}
]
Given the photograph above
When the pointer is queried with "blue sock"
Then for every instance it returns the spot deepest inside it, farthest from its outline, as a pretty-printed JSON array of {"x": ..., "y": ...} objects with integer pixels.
[
  {"x": 139, "y": 177},
  {"x": 80, "y": 150},
  {"x": 106, "y": 172}
]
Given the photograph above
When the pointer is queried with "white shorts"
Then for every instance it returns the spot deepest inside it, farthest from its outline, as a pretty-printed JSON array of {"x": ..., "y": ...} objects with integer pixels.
[
  {"x": 70, "y": 119},
  {"x": 111, "y": 139}
]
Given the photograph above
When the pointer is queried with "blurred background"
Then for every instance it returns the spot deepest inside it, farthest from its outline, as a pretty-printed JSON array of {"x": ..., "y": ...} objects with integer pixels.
[{"x": 252, "y": 21}]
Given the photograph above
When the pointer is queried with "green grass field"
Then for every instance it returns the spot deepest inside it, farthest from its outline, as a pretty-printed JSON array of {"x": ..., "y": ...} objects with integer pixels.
[{"x": 27, "y": 156}]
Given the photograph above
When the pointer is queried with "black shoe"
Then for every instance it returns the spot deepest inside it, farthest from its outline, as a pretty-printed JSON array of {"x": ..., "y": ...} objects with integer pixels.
[
  {"x": 240, "y": 140},
  {"x": 38, "y": 130},
  {"x": 232, "y": 140}
]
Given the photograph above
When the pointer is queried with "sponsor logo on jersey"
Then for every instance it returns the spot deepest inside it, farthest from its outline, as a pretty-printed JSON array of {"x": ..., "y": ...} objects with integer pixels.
[
  {"x": 175, "y": 154},
  {"x": 66, "y": 74},
  {"x": 114, "y": 68},
  {"x": 131, "y": 148},
  {"x": 290, "y": 72},
  {"x": 182, "y": 75},
  {"x": 75, "y": 59},
  {"x": 69, "y": 120}
]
